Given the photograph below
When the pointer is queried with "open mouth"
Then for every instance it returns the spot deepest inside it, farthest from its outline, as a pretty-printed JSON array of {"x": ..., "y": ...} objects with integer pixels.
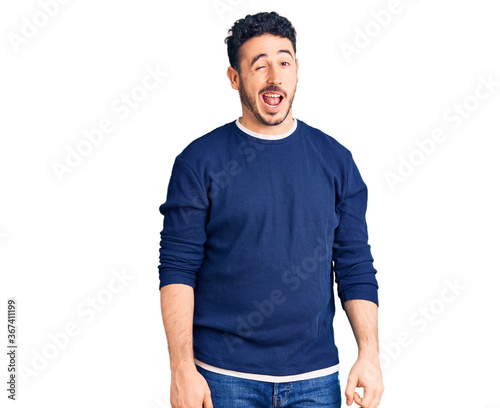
[{"x": 272, "y": 100}]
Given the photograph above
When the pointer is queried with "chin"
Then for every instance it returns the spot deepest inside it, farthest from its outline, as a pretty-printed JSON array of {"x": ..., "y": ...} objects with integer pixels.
[{"x": 273, "y": 118}]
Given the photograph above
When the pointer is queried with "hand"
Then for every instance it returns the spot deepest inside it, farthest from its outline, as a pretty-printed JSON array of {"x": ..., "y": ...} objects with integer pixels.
[
  {"x": 366, "y": 373},
  {"x": 189, "y": 389}
]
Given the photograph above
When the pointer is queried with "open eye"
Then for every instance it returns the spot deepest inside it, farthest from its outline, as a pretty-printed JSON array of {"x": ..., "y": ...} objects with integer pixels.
[{"x": 285, "y": 63}]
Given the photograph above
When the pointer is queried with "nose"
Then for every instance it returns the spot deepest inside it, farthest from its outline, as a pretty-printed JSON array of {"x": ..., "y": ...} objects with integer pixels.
[{"x": 273, "y": 75}]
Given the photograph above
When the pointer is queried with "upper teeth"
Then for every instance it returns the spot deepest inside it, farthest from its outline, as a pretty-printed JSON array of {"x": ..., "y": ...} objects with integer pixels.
[{"x": 272, "y": 95}]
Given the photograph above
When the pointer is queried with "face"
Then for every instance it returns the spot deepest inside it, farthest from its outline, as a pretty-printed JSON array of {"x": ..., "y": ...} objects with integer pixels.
[{"x": 267, "y": 79}]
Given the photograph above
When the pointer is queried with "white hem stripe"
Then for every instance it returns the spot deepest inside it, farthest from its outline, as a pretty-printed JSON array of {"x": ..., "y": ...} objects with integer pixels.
[{"x": 271, "y": 378}]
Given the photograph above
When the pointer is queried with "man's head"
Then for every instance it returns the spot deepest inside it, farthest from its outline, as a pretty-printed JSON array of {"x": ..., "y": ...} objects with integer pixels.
[
  {"x": 254, "y": 26},
  {"x": 261, "y": 50}
]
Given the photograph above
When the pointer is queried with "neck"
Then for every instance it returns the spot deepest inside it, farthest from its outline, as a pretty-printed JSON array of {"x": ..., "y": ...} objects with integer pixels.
[{"x": 251, "y": 123}]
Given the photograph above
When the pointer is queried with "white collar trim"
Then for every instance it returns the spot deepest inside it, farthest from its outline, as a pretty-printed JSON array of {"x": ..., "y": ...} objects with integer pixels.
[{"x": 267, "y": 137}]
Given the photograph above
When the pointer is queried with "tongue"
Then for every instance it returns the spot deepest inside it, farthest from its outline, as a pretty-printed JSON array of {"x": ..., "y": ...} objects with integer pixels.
[{"x": 271, "y": 101}]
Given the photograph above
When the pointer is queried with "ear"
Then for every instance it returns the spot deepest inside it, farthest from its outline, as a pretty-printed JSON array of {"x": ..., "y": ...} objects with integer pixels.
[
  {"x": 234, "y": 78},
  {"x": 297, "y": 68}
]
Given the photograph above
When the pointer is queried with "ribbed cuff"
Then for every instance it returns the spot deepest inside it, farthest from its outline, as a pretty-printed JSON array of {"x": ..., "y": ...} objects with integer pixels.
[
  {"x": 365, "y": 291},
  {"x": 167, "y": 278}
]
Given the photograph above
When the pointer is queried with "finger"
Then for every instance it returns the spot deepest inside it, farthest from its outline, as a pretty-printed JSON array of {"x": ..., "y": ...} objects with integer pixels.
[
  {"x": 376, "y": 400},
  {"x": 349, "y": 390},
  {"x": 367, "y": 399},
  {"x": 375, "y": 403},
  {"x": 207, "y": 401},
  {"x": 377, "y": 397},
  {"x": 357, "y": 399}
]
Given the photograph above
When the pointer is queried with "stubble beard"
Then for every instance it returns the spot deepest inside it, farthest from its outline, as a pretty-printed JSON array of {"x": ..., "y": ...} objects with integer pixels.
[{"x": 251, "y": 104}]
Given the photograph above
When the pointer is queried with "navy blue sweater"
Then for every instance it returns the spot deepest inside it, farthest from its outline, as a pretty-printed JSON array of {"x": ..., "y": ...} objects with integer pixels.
[{"x": 261, "y": 229}]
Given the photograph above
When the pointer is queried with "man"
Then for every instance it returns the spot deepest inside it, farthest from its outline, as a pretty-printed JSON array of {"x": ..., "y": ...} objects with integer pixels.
[{"x": 257, "y": 212}]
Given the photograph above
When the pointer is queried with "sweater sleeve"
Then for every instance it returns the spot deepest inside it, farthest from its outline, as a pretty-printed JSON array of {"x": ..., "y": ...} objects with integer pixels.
[
  {"x": 353, "y": 262},
  {"x": 183, "y": 236}
]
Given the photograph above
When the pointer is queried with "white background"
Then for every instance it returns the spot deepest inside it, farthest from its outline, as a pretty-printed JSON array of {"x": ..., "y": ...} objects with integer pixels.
[{"x": 61, "y": 238}]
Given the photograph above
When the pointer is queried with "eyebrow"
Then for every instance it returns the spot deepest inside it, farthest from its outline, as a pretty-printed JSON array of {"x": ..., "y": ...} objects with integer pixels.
[{"x": 265, "y": 55}]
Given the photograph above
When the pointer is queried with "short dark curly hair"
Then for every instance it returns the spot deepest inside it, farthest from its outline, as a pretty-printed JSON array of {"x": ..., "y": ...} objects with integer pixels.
[{"x": 254, "y": 26}]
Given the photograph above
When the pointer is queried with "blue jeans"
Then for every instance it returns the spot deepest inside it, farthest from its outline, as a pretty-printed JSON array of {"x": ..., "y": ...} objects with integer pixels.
[{"x": 234, "y": 392}]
